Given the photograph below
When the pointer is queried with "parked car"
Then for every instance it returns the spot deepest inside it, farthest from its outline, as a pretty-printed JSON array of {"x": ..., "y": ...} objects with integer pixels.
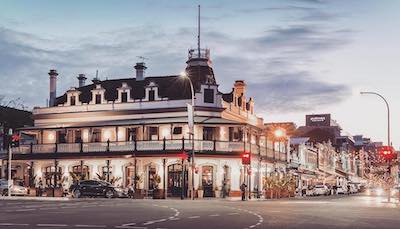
[
  {"x": 95, "y": 188},
  {"x": 341, "y": 190},
  {"x": 16, "y": 190},
  {"x": 321, "y": 190}
]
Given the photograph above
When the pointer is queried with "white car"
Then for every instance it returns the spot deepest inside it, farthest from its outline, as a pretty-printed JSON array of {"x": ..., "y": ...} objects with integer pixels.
[
  {"x": 341, "y": 190},
  {"x": 16, "y": 190},
  {"x": 321, "y": 190}
]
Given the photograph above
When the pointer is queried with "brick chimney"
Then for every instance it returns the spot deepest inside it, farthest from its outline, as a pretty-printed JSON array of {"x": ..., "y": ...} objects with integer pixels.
[
  {"x": 140, "y": 71},
  {"x": 82, "y": 78},
  {"x": 53, "y": 87}
]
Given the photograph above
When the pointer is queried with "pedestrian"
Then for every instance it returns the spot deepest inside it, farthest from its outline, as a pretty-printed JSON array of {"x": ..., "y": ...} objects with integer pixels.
[
  {"x": 224, "y": 189},
  {"x": 348, "y": 189},
  {"x": 39, "y": 187},
  {"x": 243, "y": 189}
]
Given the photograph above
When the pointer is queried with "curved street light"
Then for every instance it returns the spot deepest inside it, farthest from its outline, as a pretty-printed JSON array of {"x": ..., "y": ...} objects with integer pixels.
[
  {"x": 185, "y": 75},
  {"x": 388, "y": 127},
  {"x": 388, "y": 111}
]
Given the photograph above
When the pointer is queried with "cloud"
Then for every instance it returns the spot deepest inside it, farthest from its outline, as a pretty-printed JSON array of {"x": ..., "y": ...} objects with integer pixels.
[{"x": 277, "y": 63}]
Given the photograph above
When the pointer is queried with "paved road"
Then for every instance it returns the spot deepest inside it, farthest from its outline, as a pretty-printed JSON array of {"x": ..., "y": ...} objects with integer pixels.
[{"x": 324, "y": 212}]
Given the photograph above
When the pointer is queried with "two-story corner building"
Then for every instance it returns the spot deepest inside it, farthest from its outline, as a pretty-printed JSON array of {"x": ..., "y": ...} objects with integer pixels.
[{"x": 136, "y": 129}]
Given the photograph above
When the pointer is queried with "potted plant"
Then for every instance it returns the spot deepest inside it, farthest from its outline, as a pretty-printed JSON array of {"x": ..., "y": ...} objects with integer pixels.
[
  {"x": 157, "y": 193},
  {"x": 200, "y": 192},
  {"x": 217, "y": 192},
  {"x": 137, "y": 191}
]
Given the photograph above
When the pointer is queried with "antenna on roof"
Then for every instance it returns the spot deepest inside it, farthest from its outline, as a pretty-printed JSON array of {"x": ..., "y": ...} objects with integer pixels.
[
  {"x": 198, "y": 33},
  {"x": 142, "y": 58},
  {"x": 97, "y": 74}
]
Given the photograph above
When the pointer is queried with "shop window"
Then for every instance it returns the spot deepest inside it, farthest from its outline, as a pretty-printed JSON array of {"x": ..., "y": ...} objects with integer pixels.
[
  {"x": 151, "y": 95},
  {"x": 81, "y": 173},
  {"x": 73, "y": 100},
  {"x": 209, "y": 95},
  {"x": 124, "y": 97},
  {"x": 106, "y": 171},
  {"x": 98, "y": 99},
  {"x": 177, "y": 130},
  {"x": 208, "y": 133},
  {"x": 49, "y": 175}
]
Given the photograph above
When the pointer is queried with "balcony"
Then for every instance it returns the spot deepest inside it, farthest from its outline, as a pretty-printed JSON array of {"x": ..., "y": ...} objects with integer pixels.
[{"x": 166, "y": 145}]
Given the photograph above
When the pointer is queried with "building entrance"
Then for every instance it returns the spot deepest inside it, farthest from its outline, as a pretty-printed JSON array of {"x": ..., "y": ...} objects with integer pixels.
[{"x": 175, "y": 180}]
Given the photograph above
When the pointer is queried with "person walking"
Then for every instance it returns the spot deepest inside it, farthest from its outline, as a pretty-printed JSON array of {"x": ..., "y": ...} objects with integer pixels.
[
  {"x": 243, "y": 189},
  {"x": 348, "y": 189},
  {"x": 39, "y": 187}
]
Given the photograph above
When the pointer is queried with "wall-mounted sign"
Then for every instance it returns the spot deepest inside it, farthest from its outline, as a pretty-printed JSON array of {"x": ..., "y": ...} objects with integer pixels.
[{"x": 318, "y": 120}]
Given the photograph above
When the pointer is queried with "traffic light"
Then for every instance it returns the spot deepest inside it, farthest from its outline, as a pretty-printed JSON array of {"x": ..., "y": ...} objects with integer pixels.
[
  {"x": 246, "y": 158},
  {"x": 387, "y": 152},
  {"x": 15, "y": 140}
]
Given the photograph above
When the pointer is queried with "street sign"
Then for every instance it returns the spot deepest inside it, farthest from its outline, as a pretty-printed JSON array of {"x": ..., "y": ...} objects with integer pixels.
[{"x": 190, "y": 117}]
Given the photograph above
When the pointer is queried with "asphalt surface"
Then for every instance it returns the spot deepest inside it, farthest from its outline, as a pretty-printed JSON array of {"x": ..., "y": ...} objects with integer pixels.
[{"x": 319, "y": 212}]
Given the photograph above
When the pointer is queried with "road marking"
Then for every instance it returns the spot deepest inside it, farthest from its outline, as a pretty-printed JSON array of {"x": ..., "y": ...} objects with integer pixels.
[
  {"x": 194, "y": 217},
  {"x": 214, "y": 215},
  {"x": 51, "y": 225},
  {"x": 25, "y": 210},
  {"x": 233, "y": 213},
  {"x": 14, "y": 224},
  {"x": 90, "y": 226},
  {"x": 47, "y": 208},
  {"x": 154, "y": 221},
  {"x": 132, "y": 227}
]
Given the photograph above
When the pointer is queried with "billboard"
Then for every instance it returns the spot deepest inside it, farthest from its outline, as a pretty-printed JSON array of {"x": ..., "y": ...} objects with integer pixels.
[{"x": 318, "y": 120}]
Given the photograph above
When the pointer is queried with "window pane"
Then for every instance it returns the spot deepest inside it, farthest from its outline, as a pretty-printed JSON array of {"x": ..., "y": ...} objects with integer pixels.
[
  {"x": 124, "y": 98},
  {"x": 73, "y": 100},
  {"x": 208, "y": 95},
  {"x": 98, "y": 99},
  {"x": 151, "y": 95}
]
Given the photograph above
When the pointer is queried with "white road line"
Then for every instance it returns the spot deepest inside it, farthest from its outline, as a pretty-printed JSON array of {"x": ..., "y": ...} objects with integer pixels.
[
  {"x": 132, "y": 227},
  {"x": 14, "y": 224},
  {"x": 90, "y": 226},
  {"x": 233, "y": 213},
  {"x": 193, "y": 217},
  {"x": 51, "y": 225},
  {"x": 214, "y": 215},
  {"x": 154, "y": 221},
  {"x": 48, "y": 208},
  {"x": 25, "y": 210}
]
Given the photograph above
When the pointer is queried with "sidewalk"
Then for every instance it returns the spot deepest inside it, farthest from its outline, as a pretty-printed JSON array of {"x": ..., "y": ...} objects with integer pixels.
[{"x": 35, "y": 198}]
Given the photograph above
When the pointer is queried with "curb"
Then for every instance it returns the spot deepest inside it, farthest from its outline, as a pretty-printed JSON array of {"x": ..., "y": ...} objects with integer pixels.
[{"x": 34, "y": 198}]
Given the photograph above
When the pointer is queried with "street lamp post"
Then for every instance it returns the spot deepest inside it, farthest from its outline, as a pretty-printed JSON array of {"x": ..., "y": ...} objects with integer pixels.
[
  {"x": 191, "y": 127},
  {"x": 10, "y": 182},
  {"x": 388, "y": 126}
]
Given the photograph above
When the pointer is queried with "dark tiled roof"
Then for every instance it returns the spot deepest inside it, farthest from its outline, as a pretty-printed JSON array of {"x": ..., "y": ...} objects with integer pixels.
[
  {"x": 171, "y": 87},
  {"x": 228, "y": 97}
]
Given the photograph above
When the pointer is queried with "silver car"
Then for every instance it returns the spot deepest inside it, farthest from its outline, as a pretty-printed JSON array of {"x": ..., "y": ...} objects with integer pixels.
[{"x": 16, "y": 190}]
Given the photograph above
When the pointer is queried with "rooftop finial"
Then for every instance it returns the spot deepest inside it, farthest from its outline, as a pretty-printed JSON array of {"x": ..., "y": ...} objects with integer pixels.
[{"x": 198, "y": 33}]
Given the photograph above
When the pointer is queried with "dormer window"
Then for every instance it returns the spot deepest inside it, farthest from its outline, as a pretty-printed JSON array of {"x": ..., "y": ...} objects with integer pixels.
[
  {"x": 73, "y": 97},
  {"x": 152, "y": 92},
  {"x": 208, "y": 95},
  {"x": 98, "y": 95},
  {"x": 124, "y": 94}
]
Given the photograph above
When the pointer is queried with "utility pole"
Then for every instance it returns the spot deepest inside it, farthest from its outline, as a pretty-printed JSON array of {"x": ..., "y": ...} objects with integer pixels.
[{"x": 10, "y": 182}]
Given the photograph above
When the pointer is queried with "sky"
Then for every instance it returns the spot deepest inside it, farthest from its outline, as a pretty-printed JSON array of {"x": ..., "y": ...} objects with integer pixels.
[{"x": 297, "y": 57}]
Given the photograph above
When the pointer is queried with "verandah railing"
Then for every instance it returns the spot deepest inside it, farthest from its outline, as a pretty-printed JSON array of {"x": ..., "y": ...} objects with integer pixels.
[{"x": 151, "y": 145}]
